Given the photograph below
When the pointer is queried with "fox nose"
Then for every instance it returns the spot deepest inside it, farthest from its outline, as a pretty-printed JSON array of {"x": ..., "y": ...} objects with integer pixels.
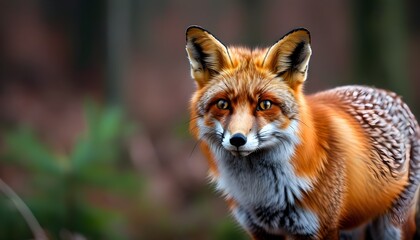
[{"x": 238, "y": 139}]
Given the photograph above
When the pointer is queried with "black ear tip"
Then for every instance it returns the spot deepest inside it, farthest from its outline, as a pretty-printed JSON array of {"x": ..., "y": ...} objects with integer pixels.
[
  {"x": 194, "y": 28},
  {"x": 191, "y": 28},
  {"x": 301, "y": 29}
]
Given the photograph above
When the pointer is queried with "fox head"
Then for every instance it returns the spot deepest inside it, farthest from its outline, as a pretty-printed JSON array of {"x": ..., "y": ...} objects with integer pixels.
[{"x": 247, "y": 100}]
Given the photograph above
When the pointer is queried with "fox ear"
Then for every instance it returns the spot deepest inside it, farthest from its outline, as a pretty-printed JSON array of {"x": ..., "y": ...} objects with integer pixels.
[
  {"x": 289, "y": 57},
  {"x": 206, "y": 54}
]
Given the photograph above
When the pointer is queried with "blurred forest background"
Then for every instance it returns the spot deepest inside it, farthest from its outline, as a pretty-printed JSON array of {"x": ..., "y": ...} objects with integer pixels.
[{"x": 94, "y": 140}]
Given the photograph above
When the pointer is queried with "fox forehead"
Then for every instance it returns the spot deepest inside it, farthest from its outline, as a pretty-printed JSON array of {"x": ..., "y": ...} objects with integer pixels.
[{"x": 243, "y": 57}]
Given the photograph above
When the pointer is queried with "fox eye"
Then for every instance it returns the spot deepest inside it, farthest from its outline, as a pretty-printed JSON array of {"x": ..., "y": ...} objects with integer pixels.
[
  {"x": 264, "y": 105},
  {"x": 222, "y": 104}
]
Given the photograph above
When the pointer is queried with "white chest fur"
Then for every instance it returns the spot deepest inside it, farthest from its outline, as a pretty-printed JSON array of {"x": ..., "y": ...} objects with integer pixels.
[{"x": 266, "y": 188}]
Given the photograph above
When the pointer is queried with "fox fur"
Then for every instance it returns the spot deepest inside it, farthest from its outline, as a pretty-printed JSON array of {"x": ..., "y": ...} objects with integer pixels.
[{"x": 295, "y": 165}]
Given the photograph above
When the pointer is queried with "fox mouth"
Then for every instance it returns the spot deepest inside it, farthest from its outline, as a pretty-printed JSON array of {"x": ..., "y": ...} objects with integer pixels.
[
  {"x": 245, "y": 147},
  {"x": 240, "y": 153}
]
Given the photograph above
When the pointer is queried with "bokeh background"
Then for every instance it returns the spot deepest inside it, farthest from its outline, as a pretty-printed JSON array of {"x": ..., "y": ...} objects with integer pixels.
[{"x": 94, "y": 140}]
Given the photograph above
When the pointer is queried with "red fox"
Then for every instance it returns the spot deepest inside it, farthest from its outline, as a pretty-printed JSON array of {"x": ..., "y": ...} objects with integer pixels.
[{"x": 296, "y": 165}]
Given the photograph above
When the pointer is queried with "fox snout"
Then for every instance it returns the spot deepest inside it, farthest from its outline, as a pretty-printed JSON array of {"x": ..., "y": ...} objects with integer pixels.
[
  {"x": 240, "y": 144},
  {"x": 240, "y": 132}
]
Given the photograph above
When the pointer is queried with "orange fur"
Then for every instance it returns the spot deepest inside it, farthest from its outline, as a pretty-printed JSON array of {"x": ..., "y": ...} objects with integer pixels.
[{"x": 334, "y": 151}]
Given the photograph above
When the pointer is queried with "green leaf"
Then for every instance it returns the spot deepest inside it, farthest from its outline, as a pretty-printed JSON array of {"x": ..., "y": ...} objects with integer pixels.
[
  {"x": 26, "y": 149},
  {"x": 110, "y": 125},
  {"x": 83, "y": 153}
]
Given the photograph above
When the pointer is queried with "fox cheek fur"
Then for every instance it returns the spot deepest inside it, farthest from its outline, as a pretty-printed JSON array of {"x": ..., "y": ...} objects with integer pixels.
[{"x": 304, "y": 166}]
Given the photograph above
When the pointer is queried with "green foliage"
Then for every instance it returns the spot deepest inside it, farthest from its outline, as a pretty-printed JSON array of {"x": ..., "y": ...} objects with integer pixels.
[
  {"x": 67, "y": 192},
  {"x": 12, "y": 224},
  {"x": 227, "y": 229},
  {"x": 90, "y": 190}
]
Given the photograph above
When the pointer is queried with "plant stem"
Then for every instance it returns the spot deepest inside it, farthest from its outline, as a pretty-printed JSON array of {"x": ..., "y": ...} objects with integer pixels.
[{"x": 24, "y": 210}]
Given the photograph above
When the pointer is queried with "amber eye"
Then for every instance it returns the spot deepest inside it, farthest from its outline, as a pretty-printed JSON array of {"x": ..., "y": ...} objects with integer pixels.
[
  {"x": 222, "y": 104},
  {"x": 264, "y": 105}
]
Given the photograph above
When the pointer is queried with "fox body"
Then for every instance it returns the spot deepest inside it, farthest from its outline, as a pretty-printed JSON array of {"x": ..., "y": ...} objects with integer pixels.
[{"x": 296, "y": 165}]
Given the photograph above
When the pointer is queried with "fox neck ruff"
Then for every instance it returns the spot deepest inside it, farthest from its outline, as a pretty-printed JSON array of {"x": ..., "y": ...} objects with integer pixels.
[{"x": 265, "y": 187}]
